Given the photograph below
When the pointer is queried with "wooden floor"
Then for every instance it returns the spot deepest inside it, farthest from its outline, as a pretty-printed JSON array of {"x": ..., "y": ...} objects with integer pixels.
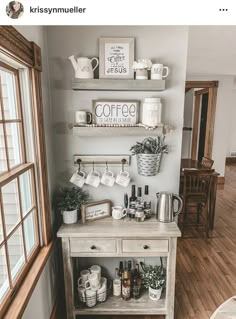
[{"x": 206, "y": 268}]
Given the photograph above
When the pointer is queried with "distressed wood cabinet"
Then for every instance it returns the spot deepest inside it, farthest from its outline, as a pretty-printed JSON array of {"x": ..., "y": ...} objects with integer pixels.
[{"x": 119, "y": 238}]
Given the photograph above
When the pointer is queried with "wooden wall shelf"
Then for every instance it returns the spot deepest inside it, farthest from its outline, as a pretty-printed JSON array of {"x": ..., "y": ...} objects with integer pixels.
[
  {"x": 117, "y": 85},
  {"x": 116, "y": 131}
]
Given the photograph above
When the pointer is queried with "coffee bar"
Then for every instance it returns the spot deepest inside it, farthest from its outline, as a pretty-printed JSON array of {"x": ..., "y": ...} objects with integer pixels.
[{"x": 119, "y": 255}]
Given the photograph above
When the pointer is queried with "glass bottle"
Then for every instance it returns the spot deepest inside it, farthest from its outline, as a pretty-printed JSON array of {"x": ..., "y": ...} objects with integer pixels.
[
  {"x": 147, "y": 202},
  {"x": 126, "y": 286},
  {"x": 117, "y": 284},
  {"x": 121, "y": 269},
  {"x": 136, "y": 283},
  {"x": 139, "y": 201},
  {"x": 133, "y": 198}
]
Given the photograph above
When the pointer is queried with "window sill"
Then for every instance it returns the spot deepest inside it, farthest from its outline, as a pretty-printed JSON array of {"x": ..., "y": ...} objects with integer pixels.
[{"x": 20, "y": 301}]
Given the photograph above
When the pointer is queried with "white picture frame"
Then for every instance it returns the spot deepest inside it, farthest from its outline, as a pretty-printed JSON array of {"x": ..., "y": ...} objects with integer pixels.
[
  {"x": 116, "y": 57},
  {"x": 115, "y": 112},
  {"x": 96, "y": 210}
]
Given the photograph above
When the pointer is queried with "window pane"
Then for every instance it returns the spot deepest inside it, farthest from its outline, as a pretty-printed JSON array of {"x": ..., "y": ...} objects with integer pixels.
[
  {"x": 29, "y": 230},
  {"x": 16, "y": 252},
  {"x": 4, "y": 282},
  {"x": 26, "y": 192},
  {"x": 11, "y": 204},
  {"x": 3, "y": 160},
  {"x": 14, "y": 144},
  {"x": 9, "y": 95}
]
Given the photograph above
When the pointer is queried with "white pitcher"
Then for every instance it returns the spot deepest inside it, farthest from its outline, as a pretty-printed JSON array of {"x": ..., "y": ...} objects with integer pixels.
[{"x": 83, "y": 67}]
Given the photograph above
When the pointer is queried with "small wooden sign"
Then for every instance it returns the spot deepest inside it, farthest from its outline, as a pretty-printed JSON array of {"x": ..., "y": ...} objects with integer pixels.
[
  {"x": 107, "y": 112},
  {"x": 96, "y": 210}
]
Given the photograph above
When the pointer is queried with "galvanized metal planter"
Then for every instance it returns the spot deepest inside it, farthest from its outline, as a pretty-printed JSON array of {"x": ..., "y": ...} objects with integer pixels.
[{"x": 148, "y": 164}]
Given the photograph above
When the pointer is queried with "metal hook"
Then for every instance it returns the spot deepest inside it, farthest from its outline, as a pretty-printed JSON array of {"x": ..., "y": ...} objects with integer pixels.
[
  {"x": 78, "y": 162},
  {"x": 123, "y": 161},
  {"x": 93, "y": 166},
  {"x": 106, "y": 166}
]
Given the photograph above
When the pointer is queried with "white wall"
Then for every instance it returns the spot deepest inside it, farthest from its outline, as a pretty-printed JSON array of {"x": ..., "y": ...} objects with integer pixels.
[
  {"x": 165, "y": 44},
  {"x": 43, "y": 298},
  {"x": 232, "y": 123}
]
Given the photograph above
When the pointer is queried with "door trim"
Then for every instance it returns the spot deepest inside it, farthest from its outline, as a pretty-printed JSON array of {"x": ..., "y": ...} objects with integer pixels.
[{"x": 211, "y": 87}]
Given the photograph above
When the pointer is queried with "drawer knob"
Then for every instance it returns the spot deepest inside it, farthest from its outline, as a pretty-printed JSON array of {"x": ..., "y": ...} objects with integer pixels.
[
  {"x": 145, "y": 247},
  {"x": 93, "y": 247}
]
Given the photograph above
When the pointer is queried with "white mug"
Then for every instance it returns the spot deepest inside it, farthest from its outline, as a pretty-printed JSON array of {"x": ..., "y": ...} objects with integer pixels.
[
  {"x": 95, "y": 269},
  {"x": 92, "y": 282},
  {"x": 123, "y": 178},
  {"x": 157, "y": 72},
  {"x": 118, "y": 212},
  {"x": 108, "y": 178},
  {"x": 93, "y": 179},
  {"x": 84, "y": 277},
  {"x": 78, "y": 178},
  {"x": 83, "y": 117},
  {"x": 102, "y": 292},
  {"x": 82, "y": 294},
  {"x": 91, "y": 298}
]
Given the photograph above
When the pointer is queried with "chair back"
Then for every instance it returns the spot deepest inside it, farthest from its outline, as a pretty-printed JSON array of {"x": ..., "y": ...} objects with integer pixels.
[
  {"x": 207, "y": 162},
  {"x": 197, "y": 183}
]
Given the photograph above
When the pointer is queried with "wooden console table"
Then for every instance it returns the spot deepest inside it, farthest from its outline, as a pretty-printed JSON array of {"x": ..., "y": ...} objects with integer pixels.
[{"x": 119, "y": 238}]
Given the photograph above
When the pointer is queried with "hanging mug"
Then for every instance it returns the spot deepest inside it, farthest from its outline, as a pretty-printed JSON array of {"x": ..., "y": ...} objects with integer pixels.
[
  {"x": 93, "y": 179},
  {"x": 108, "y": 178},
  {"x": 78, "y": 178},
  {"x": 123, "y": 178}
]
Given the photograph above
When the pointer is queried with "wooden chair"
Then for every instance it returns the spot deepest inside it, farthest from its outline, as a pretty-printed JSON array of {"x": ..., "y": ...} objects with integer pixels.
[
  {"x": 207, "y": 162},
  {"x": 196, "y": 192}
]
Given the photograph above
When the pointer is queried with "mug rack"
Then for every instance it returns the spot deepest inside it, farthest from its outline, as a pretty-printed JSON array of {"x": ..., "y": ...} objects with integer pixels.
[{"x": 100, "y": 160}]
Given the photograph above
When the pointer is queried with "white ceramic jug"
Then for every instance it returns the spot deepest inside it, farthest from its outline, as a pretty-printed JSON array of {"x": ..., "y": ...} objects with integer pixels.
[{"x": 83, "y": 67}]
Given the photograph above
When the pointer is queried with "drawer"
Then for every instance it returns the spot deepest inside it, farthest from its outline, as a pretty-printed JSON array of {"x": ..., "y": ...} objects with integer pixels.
[
  {"x": 92, "y": 245},
  {"x": 145, "y": 245}
]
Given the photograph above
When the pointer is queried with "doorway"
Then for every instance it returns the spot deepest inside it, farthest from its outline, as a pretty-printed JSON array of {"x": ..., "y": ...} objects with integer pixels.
[{"x": 199, "y": 114}]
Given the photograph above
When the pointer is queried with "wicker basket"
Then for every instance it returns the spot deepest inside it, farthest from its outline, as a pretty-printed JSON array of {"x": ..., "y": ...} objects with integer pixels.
[{"x": 148, "y": 164}]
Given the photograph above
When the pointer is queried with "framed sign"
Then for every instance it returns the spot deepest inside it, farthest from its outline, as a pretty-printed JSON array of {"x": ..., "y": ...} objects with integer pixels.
[
  {"x": 96, "y": 210},
  {"x": 116, "y": 56},
  {"x": 117, "y": 112}
]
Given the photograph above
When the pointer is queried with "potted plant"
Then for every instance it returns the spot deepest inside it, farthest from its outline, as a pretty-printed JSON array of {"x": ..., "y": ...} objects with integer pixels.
[
  {"x": 153, "y": 278},
  {"x": 149, "y": 153},
  {"x": 141, "y": 68},
  {"x": 68, "y": 201}
]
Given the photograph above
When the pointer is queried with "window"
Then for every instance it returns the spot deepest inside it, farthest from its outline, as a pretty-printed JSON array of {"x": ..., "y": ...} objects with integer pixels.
[{"x": 19, "y": 228}]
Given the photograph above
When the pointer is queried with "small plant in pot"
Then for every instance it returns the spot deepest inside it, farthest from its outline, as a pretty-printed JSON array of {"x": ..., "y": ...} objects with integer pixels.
[
  {"x": 68, "y": 201},
  {"x": 153, "y": 278},
  {"x": 149, "y": 153}
]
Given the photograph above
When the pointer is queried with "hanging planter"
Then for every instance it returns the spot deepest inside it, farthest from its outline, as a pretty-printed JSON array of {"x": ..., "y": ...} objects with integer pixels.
[{"x": 149, "y": 154}]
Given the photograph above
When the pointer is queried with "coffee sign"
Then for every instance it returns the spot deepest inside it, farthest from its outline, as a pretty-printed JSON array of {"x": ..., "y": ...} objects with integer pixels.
[{"x": 118, "y": 112}]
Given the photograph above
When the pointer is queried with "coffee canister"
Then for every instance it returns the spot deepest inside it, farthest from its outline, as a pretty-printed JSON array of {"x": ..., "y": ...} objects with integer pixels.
[{"x": 152, "y": 108}]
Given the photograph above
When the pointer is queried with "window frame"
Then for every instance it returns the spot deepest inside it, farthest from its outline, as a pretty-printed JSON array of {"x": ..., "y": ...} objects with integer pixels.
[{"x": 14, "y": 46}]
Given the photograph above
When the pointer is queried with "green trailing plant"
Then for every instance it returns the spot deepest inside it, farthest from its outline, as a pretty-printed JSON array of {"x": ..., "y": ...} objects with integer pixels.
[
  {"x": 153, "y": 276},
  {"x": 70, "y": 198},
  {"x": 150, "y": 146}
]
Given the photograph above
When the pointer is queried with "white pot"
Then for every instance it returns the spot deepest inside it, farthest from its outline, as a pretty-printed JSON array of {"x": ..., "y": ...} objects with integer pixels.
[
  {"x": 70, "y": 217},
  {"x": 155, "y": 294}
]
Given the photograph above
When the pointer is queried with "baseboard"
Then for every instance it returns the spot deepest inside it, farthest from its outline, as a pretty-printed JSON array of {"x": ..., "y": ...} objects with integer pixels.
[
  {"x": 230, "y": 160},
  {"x": 221, "y": 180}
]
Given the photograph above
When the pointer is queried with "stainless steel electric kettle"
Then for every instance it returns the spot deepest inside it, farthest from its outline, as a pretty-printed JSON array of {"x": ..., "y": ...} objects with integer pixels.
[{"x": 165, "y": 206}]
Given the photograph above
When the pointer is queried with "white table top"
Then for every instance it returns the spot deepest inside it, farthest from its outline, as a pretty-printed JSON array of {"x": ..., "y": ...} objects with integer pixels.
[
  {"x": 227, "y": 310},
  {"x": 108, "y": 227}
]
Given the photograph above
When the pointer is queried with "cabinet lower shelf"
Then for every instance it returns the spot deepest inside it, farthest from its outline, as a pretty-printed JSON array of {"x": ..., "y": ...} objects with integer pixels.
[{"x": 115, "y": 306}]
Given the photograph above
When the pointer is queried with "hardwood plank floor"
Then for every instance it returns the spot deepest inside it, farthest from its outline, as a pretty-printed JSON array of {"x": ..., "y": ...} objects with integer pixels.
[{"x": 206, "y": 268}]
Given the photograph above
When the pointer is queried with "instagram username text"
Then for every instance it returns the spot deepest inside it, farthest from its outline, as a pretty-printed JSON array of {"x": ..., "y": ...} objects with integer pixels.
[{"x": 56, "y": 10}]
